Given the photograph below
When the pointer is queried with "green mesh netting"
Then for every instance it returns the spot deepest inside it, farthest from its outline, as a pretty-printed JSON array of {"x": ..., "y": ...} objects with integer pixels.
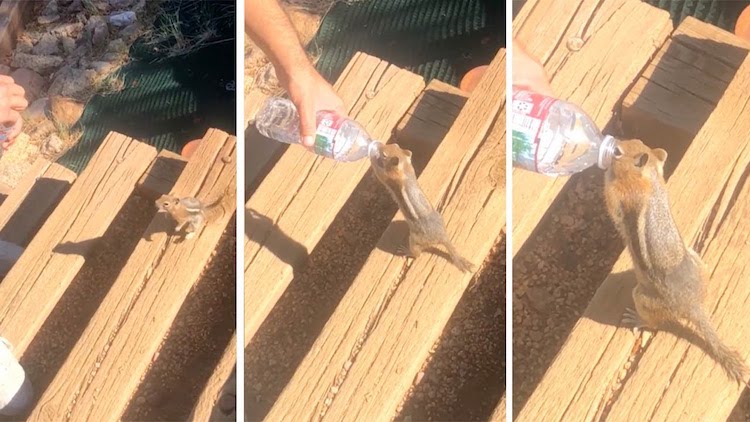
[
  {"x": 168, "y": 101},
  {"x": 722, "y": 13},
  {"x": 440, "y": 39}
]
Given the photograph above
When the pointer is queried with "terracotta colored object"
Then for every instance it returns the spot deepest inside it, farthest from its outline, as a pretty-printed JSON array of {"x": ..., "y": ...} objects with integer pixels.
[
  {"x": 742, "y": 27},
  {"x": 190, "y": 148},
  {"x": 472, "y": 78}
]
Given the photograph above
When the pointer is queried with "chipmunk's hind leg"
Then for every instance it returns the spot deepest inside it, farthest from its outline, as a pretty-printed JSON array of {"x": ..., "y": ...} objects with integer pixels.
[
  {"x": 413, "y": 248},
  {"x": 646, "y": 314}
]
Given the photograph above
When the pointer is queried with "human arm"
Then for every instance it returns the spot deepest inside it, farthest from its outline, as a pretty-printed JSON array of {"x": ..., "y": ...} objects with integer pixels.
[
  {"x": 528, "y": 72},
  {"x": 268, "y": 25},
  {"x": 12, "y": 102}
]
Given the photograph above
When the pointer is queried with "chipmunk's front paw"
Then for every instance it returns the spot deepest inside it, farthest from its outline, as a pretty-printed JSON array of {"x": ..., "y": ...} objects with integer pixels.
[
  {"x": 630, "y": 319},
  {"x": 189, "y": 235}
]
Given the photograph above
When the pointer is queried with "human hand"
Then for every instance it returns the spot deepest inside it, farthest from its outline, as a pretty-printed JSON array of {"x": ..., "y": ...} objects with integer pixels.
[
  {"x": 12, "y": 102},
  {"x": 311, "y": 93},
  {"x": 528, "y": 72}
]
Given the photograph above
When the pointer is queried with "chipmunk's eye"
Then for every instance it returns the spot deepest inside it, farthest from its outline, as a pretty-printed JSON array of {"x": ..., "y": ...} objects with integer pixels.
[
  {"x": 618, "y": 152},
  {"x": 641, "y": 160},
  {"x": 166, "y": 204},
  {"x": 393, "y": 161}
]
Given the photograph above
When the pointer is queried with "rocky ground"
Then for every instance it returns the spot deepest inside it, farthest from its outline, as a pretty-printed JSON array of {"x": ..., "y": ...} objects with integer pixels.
[{"x": 66, "y": 54}]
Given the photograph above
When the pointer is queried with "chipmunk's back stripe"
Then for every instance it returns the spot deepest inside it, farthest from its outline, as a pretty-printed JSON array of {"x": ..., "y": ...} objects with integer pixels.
[{"x": 630, "y": 221}]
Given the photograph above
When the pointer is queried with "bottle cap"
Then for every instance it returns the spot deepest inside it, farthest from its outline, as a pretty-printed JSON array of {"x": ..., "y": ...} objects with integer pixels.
[
  {"x": 373, "y": 147},
  {"x": 606, "y": 152}
]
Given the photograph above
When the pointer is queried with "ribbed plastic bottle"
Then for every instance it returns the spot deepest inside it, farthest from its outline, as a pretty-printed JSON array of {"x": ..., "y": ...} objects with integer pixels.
[
  {"x": 555, "y": 137},
  {"x": 337, "y": 137}
]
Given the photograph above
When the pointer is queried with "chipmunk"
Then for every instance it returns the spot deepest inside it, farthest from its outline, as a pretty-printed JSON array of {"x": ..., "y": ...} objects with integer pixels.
[
  {"x": 392, "y": 167},
  {"x": 670, "y": 275},
  {"x": 191, "y": 214}
]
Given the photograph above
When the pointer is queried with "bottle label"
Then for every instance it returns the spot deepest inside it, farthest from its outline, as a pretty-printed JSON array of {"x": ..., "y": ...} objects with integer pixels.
[
  {"x": 528, "y": 112},
  {"x": 329, "y": 124}
]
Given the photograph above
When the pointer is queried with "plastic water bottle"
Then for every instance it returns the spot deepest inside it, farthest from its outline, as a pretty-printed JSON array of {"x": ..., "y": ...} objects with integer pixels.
[
  {"x": 336, "y": 137},
  {"x": 15, "y": 389},
  {"x": 555, "y": 137}
]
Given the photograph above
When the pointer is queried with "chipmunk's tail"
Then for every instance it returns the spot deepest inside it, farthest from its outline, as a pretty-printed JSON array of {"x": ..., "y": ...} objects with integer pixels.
[
  {"x": 223, "y": 204},
  {"x": 731, "y": 361}
]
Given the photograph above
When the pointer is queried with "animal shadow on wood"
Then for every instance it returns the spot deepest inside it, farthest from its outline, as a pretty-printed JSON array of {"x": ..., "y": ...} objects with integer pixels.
[
  {"x": 608, "y": 307},
  {"x": 262, "y": 230}
]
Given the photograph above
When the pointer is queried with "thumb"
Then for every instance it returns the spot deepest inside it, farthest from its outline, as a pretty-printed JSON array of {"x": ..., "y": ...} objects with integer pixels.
[{"x": 308, "y": 125}]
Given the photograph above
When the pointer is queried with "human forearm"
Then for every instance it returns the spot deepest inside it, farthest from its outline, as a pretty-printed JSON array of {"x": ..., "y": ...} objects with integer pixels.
[{"x": 268, "y": 25}]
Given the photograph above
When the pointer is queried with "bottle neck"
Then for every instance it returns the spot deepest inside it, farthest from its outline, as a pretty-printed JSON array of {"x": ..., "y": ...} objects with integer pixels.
[{"x": 606, "y": 152}]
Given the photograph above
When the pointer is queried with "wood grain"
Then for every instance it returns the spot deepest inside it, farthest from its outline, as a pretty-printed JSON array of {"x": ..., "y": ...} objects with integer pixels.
[
  {"x": 32, "y": 201},
  {"x": 161, "y": 175},
  {"x": 668, "y": 379},
  {"x": 370, "y": 351},
  {"x": 690, "y": 72},
  {"x": 105, "y": 367},
  {"x": 297, "y": 201},
  {"x": 500, "y": 411},
  {"x": 207, "y": 407},
  {"x": 620, "y": 37},
  {"x": 52, "y": 259}
]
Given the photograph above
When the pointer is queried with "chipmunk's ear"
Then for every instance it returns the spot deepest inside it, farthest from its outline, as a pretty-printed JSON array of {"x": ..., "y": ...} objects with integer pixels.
[
  {"x": 660, "y": 154},
  {"x": 407, "y": 153},
  {"x": 641, "y": 160}
]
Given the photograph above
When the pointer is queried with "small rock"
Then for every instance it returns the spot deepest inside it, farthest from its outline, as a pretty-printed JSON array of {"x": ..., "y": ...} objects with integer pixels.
[
  {"x": 102, "y": 67},
  {"x": 111, "y": 57},
  {"x": 44, "y": 65},
  {"x": 69, "y": 29},
  {"x": 117, "y": 46},
  {"x": 99, "y": 36},
  {"x": 32, "y": 82},
  {"x": 65, "y": 110},
  {"x": 51, "y": 9},
  {"x": 68, "y": 44},
  {"x": 24, "y": 45},
  {"x": 75, "y": 6},
  {"x": 121, "y": 4},
  {"x": 46, "y": 20},
  {"x": 227, "y": 403},
  {"x": 38, "y": 109},
  {"x": 48, "y": 45},
  {"x": 53, "y": 146},
  {"x": 130, "y": 33},
  {"x": 122, "y": 19},
  {"x": 72, "y": 82}
]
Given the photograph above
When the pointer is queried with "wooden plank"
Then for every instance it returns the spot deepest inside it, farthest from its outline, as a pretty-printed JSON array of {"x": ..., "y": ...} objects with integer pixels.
[
  {"x": 13, "y": 13},
  {"x": 303, "y": 192},
  {"x": 375, "y": 343},
  {"x": 431, "y": 116},
  {"x": 597, "y": 356},
  {"x": 105, "y": 367},
  {"x": 33, "y": 200},
  {"x": 499, "y": 414},
  {"x": 690, "y": 73},
  {"x": 45, "y": 270},
  {"x": 208, "y": 407},
  {"x": 621, "y": 36},
  {"x": 161, "y": 175}
]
